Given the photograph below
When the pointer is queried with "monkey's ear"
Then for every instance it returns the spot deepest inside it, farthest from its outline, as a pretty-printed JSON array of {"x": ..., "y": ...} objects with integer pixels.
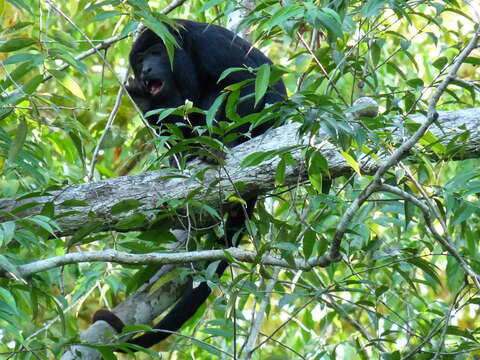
[{"x": 110, "y": 318}]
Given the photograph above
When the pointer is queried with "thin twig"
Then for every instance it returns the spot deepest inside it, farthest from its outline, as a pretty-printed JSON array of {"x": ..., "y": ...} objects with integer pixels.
[
  {"x": 319, "y": 64},
  {"x": 255, "y": 328},
  {"x": 108, "y": 125},
  {"x": 119, "y": 257},
  {"x": 342, "y": 312}
]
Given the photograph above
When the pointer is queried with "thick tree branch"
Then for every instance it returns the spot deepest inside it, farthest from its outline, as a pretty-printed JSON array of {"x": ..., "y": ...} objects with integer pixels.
[{"x": 153, "y": 188}]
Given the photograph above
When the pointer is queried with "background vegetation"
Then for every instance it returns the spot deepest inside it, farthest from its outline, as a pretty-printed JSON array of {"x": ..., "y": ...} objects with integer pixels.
[{"x": 396, "y": 293}]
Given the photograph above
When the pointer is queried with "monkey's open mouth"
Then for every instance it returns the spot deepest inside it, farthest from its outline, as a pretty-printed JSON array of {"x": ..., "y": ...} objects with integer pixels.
[{"x": 154, "y": 87}]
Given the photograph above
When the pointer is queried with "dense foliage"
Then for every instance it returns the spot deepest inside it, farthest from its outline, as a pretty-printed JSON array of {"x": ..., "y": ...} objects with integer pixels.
[{"x": 395, "y": 294}]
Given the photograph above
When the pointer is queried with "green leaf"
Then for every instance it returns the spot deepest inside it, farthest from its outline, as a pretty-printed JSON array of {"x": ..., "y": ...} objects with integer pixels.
[
  {"x": 416, "y": 83},
  {"x": 408, "y": 208},
  {"x": 141, "y": 5},
  {"x": 19, "y": 141},
  {"x": 229, "y": 256},
  {"x": 456, "y": 331},
  {"x": 391, "y": 356},
  {"x": 159, "y": 28},
  {"x": 372, "y": 8},
  {"x": 91, "y": 226},
  {"x": 209, "y": 5},
  {"x": 9, "y": 300},
  {"x": 317, "y": 167},
  {"x": 261, "y": 82},
  {"x": 30, "y": 87},
  {"x": 44, "y": 222},
  {"x": 209, "y": 348},
  {"x": 440, "y": 62},
  {"x": 287, "y": 246},
  {"x": 218, "y": 331},
  {"x": 257, "y": 158},
  {"x": 104, "y": 15},
  {"x": 124, "y": 206},
  {"x": 133, "y": 221},
  {"x": 74, "y": 203},
  {"x": 68, "y": 83},
  {"x": 426, "y": 267},
  {"x": 455, "y": 275},
  {"x": 210, "y": 117},
  {"x": 475, "y": 301},
  {"x": 69, "y": 59},
  {"x": 280, "y": 172},
  {"x": 211, "y": 268},
  {"x": 330, "y": 21},
  {"x": 210, "y": 210},
  {"x": 7, "y": 232},
  {"x": 107, "y": 353},
  {"x": 309, "y": 240},
  {"x": 376, "y": 50},
  {"x": 284, "y": 14},
  {"x": 463, "y": 213},
  {"x": 16, "y": 44},
  {"x": 19, "y": 58},
  {"x": 227, "y": 72}
]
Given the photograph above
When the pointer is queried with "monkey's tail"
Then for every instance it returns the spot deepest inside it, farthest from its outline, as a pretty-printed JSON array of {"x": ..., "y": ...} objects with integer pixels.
[
  {"x": 191, "y": 300},
  {"x": 183, "y": 310}
]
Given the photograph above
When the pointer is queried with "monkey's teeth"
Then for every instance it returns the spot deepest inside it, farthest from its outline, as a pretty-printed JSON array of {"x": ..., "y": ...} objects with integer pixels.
[{"x": 155, "y": 87}]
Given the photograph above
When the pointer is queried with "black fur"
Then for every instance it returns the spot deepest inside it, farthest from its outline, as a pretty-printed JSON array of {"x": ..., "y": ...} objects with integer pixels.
[{"x": 205, "y": 52}]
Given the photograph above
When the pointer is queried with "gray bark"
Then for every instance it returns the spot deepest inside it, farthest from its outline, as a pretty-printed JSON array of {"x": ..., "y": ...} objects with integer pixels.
[{"x": 155, "y": 187}]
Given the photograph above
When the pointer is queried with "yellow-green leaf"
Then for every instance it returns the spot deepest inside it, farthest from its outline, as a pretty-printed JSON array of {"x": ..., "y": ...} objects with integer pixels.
[
  {"x": 351, "y": 161},
  {"x": 68, "y": 83}
]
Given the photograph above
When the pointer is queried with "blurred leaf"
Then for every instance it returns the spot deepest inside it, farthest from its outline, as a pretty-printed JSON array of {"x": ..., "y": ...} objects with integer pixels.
[
  {"x": 104, "y": 15},
  {"x": 284, "y": 13},
  {"x": 16, "y": 44},
  {"x": 261, "y": 82},
  {"x": 257, "y": 158},
  {"x": 371, "y": 8},
  {"x": 212, "y": 112},
  {"x": 132, "y": 221},
  {"x": 19, "y": 141},
  {"x": 426, "y": 267},
  {"x": 309, "y": 239},
  {"x": 317, "y": 166},
  {"x": 125, "y": 206},
  {"x": 68, "y": 83},
  {"x": 351, "y": 161},
  {"x": 280, "y": 172}
]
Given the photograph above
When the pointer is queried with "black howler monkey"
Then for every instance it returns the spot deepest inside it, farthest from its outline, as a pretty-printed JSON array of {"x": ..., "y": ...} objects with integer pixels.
[{"x": 205, "y": 51}]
